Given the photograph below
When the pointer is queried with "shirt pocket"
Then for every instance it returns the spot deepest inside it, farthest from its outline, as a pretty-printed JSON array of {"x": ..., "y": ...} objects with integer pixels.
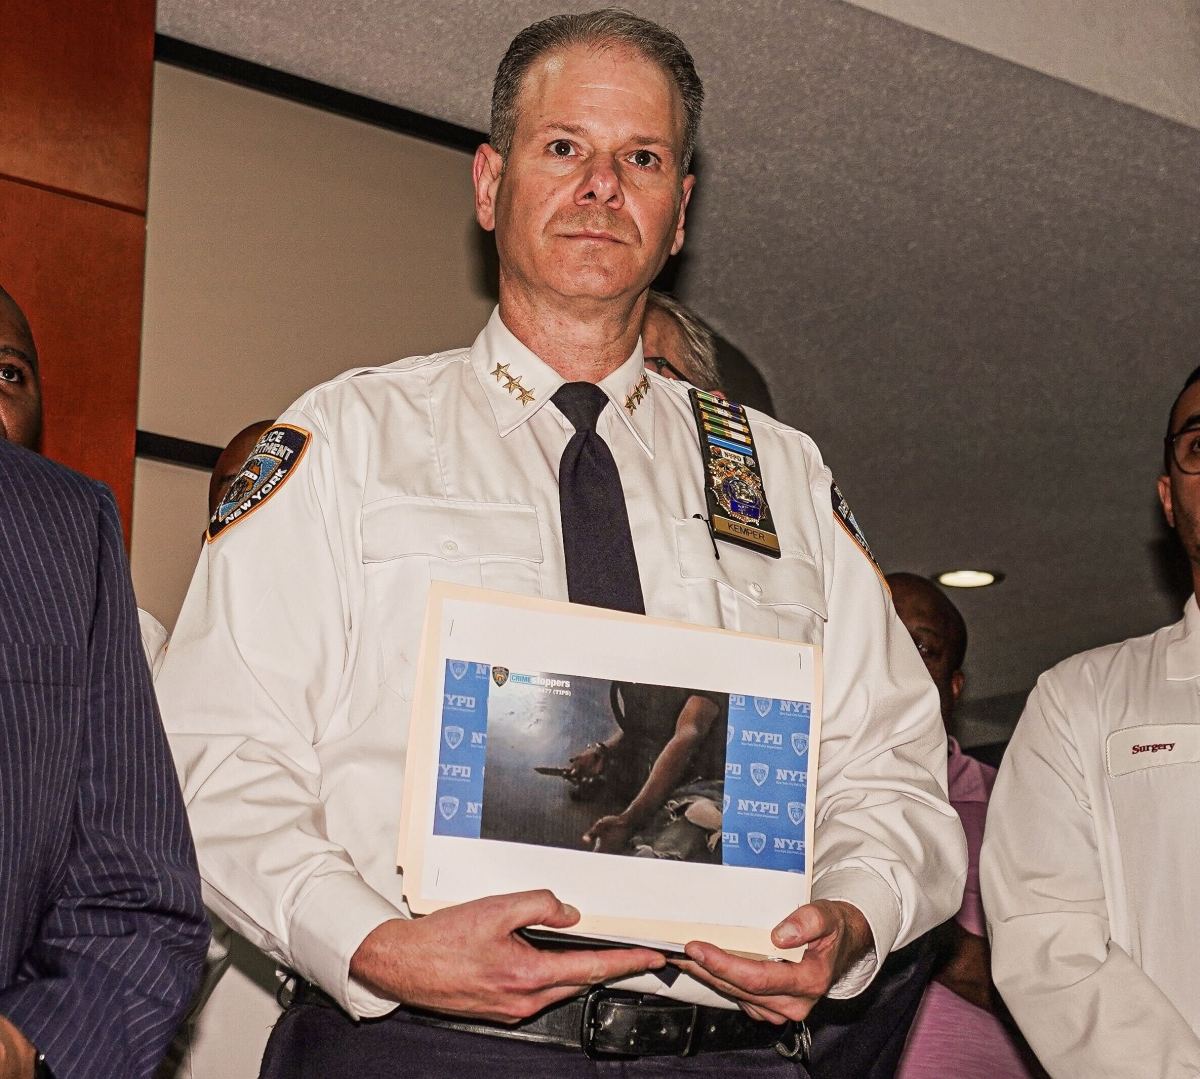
[
  {"x": 749, "y": 592},
  {"x": 409, "y": 541}
]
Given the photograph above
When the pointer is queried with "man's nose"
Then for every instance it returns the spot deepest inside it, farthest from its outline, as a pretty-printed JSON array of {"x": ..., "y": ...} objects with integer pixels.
[{"x": 601, "y": 183}]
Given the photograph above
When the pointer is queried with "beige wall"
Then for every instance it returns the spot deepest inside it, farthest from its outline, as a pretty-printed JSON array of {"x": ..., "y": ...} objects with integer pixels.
[
  {"x": 1143, "y": 53},
  {"x": 284, "y": 246}
]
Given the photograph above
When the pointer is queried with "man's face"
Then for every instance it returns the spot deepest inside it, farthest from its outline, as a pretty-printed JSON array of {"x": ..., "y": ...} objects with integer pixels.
[
  {"x": 917, "y": 606},
  {"x": 590, "y": 202},
  {"x": 20, "y": 388},
  {"x": 1179, "y": 491}
]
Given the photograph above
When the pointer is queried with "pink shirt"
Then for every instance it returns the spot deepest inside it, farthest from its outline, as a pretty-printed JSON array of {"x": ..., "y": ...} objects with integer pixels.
[{"x": 950, "y": 1037}]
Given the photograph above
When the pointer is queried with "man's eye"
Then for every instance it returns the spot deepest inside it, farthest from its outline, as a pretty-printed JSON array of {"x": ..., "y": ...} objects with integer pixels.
[
  {"x": 644, "y": 159},
  {"x": 561, "y": 148},
  {"x": 10, "y": 372}
]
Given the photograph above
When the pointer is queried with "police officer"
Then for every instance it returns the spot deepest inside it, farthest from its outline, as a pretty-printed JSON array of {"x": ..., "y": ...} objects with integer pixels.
[{"x": 289, "y": 681}]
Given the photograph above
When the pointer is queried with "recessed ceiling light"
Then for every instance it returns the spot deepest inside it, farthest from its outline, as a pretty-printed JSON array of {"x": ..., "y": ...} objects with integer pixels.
[{"x": 969, "y": 578}]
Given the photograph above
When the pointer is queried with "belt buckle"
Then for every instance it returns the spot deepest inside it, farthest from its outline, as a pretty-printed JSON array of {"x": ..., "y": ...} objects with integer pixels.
[{"x": 593, "y": 1024}]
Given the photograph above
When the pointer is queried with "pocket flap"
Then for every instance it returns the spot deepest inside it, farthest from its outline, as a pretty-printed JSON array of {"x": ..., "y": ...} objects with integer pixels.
[
  {"x": 454, "y": 530},
  {"x": 766, "y": 582}
]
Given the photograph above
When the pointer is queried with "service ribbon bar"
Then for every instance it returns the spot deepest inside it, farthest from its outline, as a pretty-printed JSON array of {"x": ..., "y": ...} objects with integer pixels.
[{"x": 733, "y": 483}]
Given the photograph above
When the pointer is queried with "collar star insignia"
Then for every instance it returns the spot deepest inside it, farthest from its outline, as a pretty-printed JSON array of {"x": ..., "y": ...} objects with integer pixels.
[
  {"x": 640, "y": 391},
  {"x": 500, "y": 371},
  {"x": 525, "y": 396},
  {"x": 513, "y": 383}
]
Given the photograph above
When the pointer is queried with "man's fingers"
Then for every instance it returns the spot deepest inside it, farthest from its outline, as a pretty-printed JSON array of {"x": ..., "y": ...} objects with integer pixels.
[
  {"x": 763, "y": 1014},
  {"x": 600, "y": 965},
  {"x": 538, "y": 907},
  {"x": 773, "y": 1008},
  {"x": 759, "y": 977},
  {"x": 804, "y": 925}
]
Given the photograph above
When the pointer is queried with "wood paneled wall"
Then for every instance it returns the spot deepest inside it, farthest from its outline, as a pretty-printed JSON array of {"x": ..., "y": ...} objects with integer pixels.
[{"x": 74, "y": 152}]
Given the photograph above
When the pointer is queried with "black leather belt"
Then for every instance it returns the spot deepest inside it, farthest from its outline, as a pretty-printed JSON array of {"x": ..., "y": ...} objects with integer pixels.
[{"x": 610, "y": 1023}]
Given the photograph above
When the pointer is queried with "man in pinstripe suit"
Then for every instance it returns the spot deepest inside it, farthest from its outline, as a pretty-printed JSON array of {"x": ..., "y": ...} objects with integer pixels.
[{"x": 102, "y": 931}]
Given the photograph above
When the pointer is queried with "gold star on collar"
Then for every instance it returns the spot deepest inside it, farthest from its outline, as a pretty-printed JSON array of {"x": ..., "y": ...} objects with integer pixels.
[
  {"x": 525, "y": 396},
  {"x": 640, "y": 391},
  {"x": 500, "y": 371},
  {"x": 513, "y": 383}
]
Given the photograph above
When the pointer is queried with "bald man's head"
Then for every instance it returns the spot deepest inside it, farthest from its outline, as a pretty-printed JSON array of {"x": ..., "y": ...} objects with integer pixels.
[
  {"x": 229, "y": 464},
  {"x": 20, "y": 384},
  {"x": 937, "y": 629}
]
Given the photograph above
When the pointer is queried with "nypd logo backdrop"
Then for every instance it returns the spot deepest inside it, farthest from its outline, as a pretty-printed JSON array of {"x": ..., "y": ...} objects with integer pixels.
[{"x": 766, "y": 762}]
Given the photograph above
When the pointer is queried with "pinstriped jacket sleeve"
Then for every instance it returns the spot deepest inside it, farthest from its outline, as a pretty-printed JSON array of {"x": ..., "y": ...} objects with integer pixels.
[{"x": 115, "y": 950}]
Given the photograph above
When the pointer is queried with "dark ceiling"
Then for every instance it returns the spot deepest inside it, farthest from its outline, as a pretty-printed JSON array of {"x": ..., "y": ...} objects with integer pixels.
[{"x": 973, "y": 283}]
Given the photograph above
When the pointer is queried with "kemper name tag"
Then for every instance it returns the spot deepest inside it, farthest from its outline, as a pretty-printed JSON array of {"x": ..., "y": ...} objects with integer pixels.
[{"x": 1133, "y": 749}]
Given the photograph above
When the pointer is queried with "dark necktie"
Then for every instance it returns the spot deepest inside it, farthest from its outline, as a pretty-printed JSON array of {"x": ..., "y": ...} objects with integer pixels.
[{"x": 601, "y": 566}]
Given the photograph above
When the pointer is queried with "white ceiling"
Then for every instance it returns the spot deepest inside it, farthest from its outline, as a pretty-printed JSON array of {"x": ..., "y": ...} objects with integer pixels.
[{"x": 972, "y": 283}]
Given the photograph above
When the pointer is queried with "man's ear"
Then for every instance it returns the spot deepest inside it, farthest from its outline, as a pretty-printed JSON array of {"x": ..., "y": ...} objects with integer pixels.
[
  {"x": 688, "y": 183},
  {"x": 485, "y": 173},
  {"x": 1164, "y": 496},
  {"x": 957, "y": 681}
]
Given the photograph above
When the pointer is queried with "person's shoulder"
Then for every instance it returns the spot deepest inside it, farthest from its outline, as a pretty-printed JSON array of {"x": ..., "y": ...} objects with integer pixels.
[
  {"x": 768, "y": 431},
  {"x": 359, "y": 381},
  {"x": 1105, "y": 662},
  {"x": 30, "y": 479}
]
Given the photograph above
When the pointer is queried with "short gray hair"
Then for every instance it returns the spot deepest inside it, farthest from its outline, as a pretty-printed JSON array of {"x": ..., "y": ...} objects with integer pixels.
[
  {"x": 603, "y": 28},
  {"x": 701, "y": 341}
]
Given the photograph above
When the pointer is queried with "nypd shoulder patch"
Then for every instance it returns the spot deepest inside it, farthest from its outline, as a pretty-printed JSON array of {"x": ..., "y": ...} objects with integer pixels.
[
  {"x": 272, "y": 461},
  {"x": 845, "y": 516}
]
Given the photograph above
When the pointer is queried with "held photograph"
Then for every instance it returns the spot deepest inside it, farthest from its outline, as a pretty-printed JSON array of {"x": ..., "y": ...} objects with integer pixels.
[{"x": 543, "y": 757}]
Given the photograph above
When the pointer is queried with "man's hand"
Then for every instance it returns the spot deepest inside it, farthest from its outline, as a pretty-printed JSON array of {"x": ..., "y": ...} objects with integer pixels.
[
  {"x": 837, "y": 936},
  {"x": 609, "y": 835},
  {"x": 16, "y": 1053},
  {"x": 588, "y": 763},
  {"x": 468, "y": 960},
  {"x": 966, "y": 967}
]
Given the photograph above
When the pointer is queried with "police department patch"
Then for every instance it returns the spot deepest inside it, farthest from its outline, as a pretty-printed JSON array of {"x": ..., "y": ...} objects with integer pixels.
[
  {"x": 845, "y": 515},
  {"x": 274, "y": 458}
]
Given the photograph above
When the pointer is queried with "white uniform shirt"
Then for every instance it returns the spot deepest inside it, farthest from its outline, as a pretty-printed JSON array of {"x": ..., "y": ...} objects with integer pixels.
[
  {"x": 154, "y": 641},
  {"x": 287, "y": 687},
  {"x": 1090, "y": 866}
]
